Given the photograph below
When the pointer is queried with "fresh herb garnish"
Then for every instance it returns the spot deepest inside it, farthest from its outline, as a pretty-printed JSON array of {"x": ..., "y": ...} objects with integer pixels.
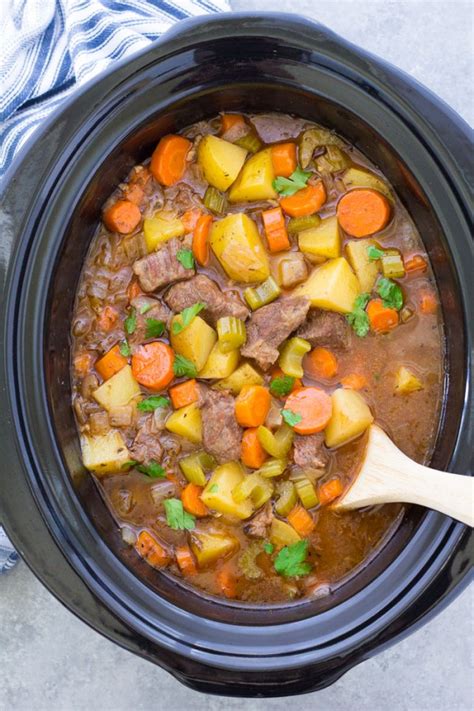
[
  {"x": 130, "y": 322},
  {"x": 213, "y": 488},
  {"x": 145, "y": 308},
  {"x": 185, "y": 256},
  {"x": 150, "y": 404},
  {"x": 154, "y": 328},
  {"x": 183, "y": 367},
  {"x": 282, "y": 385},
  {"x": 392, "y": 295},
  {"x": 290, "y": 186},
  {"x": 291, "y": 560},
  {"x": 358, "y": 318},
  {"x": 129, "y": 464},
  {"x": 187, "y": 315},
  {"x": 291, "y": 418},
  {"x": 177, "y": 517},
  {"x": 124, "y": 349},
  {"x": 152, "y": 469},
  {"x": 374, "y": 253},
  {"x": 268, "y": 547}
]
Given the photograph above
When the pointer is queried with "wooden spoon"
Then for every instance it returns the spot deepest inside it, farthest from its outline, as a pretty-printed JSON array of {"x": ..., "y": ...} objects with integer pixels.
[{"x": 387, "y": 475}]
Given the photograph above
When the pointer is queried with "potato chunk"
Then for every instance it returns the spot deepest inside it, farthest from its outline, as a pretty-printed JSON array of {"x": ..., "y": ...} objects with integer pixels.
[
  {"x": 406, "y": 381},
  {"x": 350, "y": 417},
  {"x": 255, "y": 182},
  {"x": 323, "y": 240},
  {"x": 194, "y": 342},
  {"x": 236, "y": 242},
  {"x": 282, "y": 534},
  {"x": 160, "y": 228},
  {"x": 333, "y": 286},
  {"x": 244, "y": 375},
  {"x": 219, "y": 364},
  {"x": 358, "y": 177},
  {"x": 218, "y": 493},
  {"x": 118, "y": 390},
  {"x": 220, "y": 161},
  {"x": 365, "y": 270},
  {"x": 209, "y": 547},
  {"x": 186, "y": 422},
  {"x": 106, "y": 453}
]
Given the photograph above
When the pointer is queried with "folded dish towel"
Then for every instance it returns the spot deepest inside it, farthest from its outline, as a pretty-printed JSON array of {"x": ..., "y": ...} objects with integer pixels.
[{"x": 50, "y": 47}]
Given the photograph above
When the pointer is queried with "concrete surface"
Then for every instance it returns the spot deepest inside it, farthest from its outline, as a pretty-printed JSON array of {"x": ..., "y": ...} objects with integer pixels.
[{"x": 49, "y": 661}]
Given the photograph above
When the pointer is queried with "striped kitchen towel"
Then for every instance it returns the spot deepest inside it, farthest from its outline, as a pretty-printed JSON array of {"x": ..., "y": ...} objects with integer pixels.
[{"x": 49, "y": 47}]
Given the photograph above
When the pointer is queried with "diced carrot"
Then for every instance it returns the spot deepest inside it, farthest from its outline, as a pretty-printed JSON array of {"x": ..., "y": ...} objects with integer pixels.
[
  {"x": 190, "y": 218},
  {"x": 301, "y": 520},
  {"x": 123, "y": 216},
  {"x": 133, "y": 290},
  {"x": 107, "y": 318},
  {"x": 329, "y": 491},
  {"x": 275, "y": 230},
  {"x": 168, "y": 161},
  {"x": 313, "y": 405},
  {"x": 284, "y": 159},
  {"x": 110, "y": 363},
  {"x": 185, "y": 560},
  {"x": 191, "y": 498},
  {"x": 230, "y": 120},
  {"x": 382, "y": 319},
  {"x": 171, "y": 476},
  {"x": 321, "y": 363},
  {"x": 152, "y": 365},
  {"x": 200, "y": 243},
  {"x": 252, "y": 405},
  {"x": 148, "y": 548},
  {"x": 252, "y": 453},
  {"x": 363, "y": 211},
  {"x": 184, "y": 394},
  {"x": 82, "y": 364},
  {"x": 277, "y": 372},
  {"x": 415, "y": 263},
  {"x": 226, "y": 581},
  {"x": 354, "y": 381},
  {"x": 428, "y": 303},
  {"x": 305, "y": 201}
]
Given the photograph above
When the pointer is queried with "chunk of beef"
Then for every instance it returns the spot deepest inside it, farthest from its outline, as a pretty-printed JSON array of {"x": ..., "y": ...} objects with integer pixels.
[
  {"x": 147, "y": 307},
  {"x": 309, "y": 451},
  {"x": 221, "y": 434},
  {"x": 269, "y": 326},
  {"x": 146, "y": 445},
  {"x": 258, "y": 524},
  {"x": 161, "y": 268},
  {"x": 201, "y": 288},
  {"x": 326, "y": 328}
]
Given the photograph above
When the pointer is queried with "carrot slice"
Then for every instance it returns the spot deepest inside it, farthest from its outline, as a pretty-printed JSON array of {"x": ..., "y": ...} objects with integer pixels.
[
  {"x": 275, "y": 230},
  {"x": 110, "y": 363},
  {"x": 305, "y": 201},
  {"x": 227, "y": 582},
  {"x": 301, "y": 520},
  {"x": 362, "y": 212},
  {"x": 185, "y": 560},
  {"x": 107, "y": 318},
  {"x": 152, "y": 365},
  {"x": 329, "y": 491},
  {"x": 184, "y": 394},
  {"x": 230, "y": 120},
  {"x": 123, "y": 216},
  {"x": 190, "y": 218},
  {"x": 252, "y": 453},
  {"x": 428, "y": 303},
  {"x": 148, "y": 548},
  {"x": 313, "y": 405},
  {"x": 168, "y": 161},
  {"x": 200, "y": 243},
  {"x": 354, "y": 381},
  {"x": 133, "y": 290},
  {"x": 82, "y": 364},
  {"x": 416, "y": 263},
  {"x": 322, "y": 363},
  {"x": 191, "y": 498},
  {"x": 382, "y": 319},
  {"x": 284, "y": 159},
  {"x": 277, "y": 372},
  {"x": 252, "y": 405}
]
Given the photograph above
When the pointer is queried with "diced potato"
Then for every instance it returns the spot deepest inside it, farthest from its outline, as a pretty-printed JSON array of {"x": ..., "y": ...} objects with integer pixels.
[
  {"x": 220, "y": 161},
  {"x": 194, "y": 342},
  {"x": 333, "y": 286},
  {"x": 218, "y": 493},
  {"x": 350, "y": 417},
  {"x": 255, "y": 182},
  {"x": 288, "y": 269},
  {"x": 160, "y": 228},
  {"x": 209, "y": 547},
  {"x": 244, "y": 375},
  {"x": 106, "y": 453},
  {"x": 406, "y": 381},
  {"x": 118, "y": 390},
  {"x": 358, "y": 177},
  {"x": 366, "y": 271},
  {"x": 219, "y": 364},
  {"x": 186, "y": 422},
  {"x": 236, "y": 242},
  {"x": 323, "y": 240},
  {"x": 282, "y": 534}
]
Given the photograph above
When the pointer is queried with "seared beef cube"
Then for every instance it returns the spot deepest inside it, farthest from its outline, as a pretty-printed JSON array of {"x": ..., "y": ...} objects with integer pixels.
[
  {"x": 201, "y": 288},
  {"x": 326, "y": 328},
  {"x": 221, "y": 434},
  {"x": 146, "y": 445},
  {"x": 161, "y": 268},
  {"x": 309, "y": 451},
  {"x": 258, "y": 524},
  {"x": 147, "y": 307}
]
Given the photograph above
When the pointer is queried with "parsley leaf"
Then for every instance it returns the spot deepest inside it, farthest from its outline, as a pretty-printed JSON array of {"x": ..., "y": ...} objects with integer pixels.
[
  {"x": 282, "y": 385},
  {"x": 177, "y": 517},
  {"x": 185, "y": 256},
  {"x": 145, "y": 308},
  {"x": 154, "y": 328},
  {"x": 358, "y": 318},
  {"x": 183, "y": 367},
  {"x": 392, "y": 295},
  {"x": 149, "y": 404},
  {"x": 152, "y": 469},
  {"x": 268, "y": 547},
  {"x": 290, "y": 186},
  {"x": 213, "y": 489},
  {"x": 374, "y": 253},
  {"x": 291, "y": 418},
  {"x": 187, "y": 315},
  {"x": 124, "y": 349},
  {"x": 130, "y": 322},
  {"x": 291, "y": 560},
  {"x": 129, "y": 464}
]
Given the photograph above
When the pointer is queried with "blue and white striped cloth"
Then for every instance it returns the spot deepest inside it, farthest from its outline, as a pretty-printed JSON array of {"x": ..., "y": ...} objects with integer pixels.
[{"x": 49, "y": 47}]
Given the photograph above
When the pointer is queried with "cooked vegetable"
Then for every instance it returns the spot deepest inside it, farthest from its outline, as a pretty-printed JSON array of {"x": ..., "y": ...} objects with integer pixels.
[
  {"x": 123, "y": 216},
  {"x": 278, "y": 443},
  {"x": 350, "y": 417},
  {"x": 250, "y": 141},
  {"x": 249, "y": 484},
  {"x": 365, "y": 268},
  {"x": 227, "y": 581},
  {"x": 148, "y": 548},
  {"x": 363, "y": 212},
  {"x": 358, "y": 317},
  {"x": 255, "y": 181},
  {"x": 252, "y": 405},
  {"x": 184, "y": 393},
  {"x": 262, "y": 492},
  {"x": 183, "y": 319},
  {"x": 160, "y": 228},
  {"x": 228, "y": 121},
  {"x": 200, "y": 239},
  {"x": 219, "y": 364},
  {"x": 332, "y": 286},
  {"x": 306, "y": 492},
  {"x": 245, "y": 374},
  {"x": 354, "y": 381},
  {"x": 381, "y": 318},
  {"x": 191, "y": 499},
  {"x": 406, "y": 313},
  {"x": 209, "y": 547},
  {"x": 301, "y": 520},
  {"x": 237, "y": 244},
  {"x": 110, "y": 363},
  {"x": 314, "y": 407},
  {"x": 168, "y": 161},
  {"x": 118, "y": 390},
  {"x": 329, "y": 491},
  {"x": 215, "y": 201},
  {"x": 194, "y": 342},
  {"x": 406, "y": 381},
  {"x": 313, "y": 138},
  {"x": 186, "y": 422},
  {"x": 289, "y": 269},
  {"x": 231, "y": 333},
  {"x": 416, "y": 263},
  {"x": 218, "y": 492},
  {"x": 185, "y": 560},
  {"x": 392, "y": 264},
  {"x": 305, "y": 201},
  {"x": 332, "y": 161},
  {"x": 220, "y": 161},
  {"x": 323, "y": 240},
  {"x": 428, "y": 303},
  {"x": 248, "y": 563},
  {"x": 289, "y": 186},
  {"x": 190, "y": 219},
  {"x": 322, "y": 363},
  {"x": 265, "y": 293},
  {"x": 299, "y": 224},
  {"x": 291, "y": 561},
  {"x": 275, "y": 230},
  {"x": 282, "y": 534},
  {"x": 252, "y": 453},
  {"x": 287, "y": 499},
  {"x": 358, "y": 177},
  {"x": 195, "y": 465},
  {"x": 284, "y": 159},
  {"x": 152, "y": 365},
  {"x": 272, "y": 468},
  {"x": 106, "y": 453},
  {"x": 150, "y": 404},
  {"x": 291, "y": 356}
]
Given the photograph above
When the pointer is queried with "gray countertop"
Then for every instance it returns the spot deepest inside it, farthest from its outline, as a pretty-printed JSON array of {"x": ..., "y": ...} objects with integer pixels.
[{"x": 51, "y": 661}]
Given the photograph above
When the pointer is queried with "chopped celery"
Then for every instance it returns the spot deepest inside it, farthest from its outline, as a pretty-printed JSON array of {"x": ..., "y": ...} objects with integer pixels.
[
  {"x": 250, "y": 142},
  {"x": 392, "y": 264},
  {"x": 246, "y": 487},
  {"x": 282, "y": 534},
  {"x": 298, "y": 224},
  {"x": 287, "y": 499},
  {"x": 333, "y": 160},
  {"x": 292, "y": 270},
  {"x": 277, "y": 444},
  {"x": 231, "y": 333},
  {"x": 314, "y": 138},
  {"x": 290, "y": 360},
  {"x": 262, "y": 492},
  {"x": 247, "y": 561},
  {"x": 263, "y": 294},
  {"x": 194, "y": 466},
  {"x": 215, "y": 201},
  {"x": 306, "y": 492},
  {"x": 272, "y": 467}
]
